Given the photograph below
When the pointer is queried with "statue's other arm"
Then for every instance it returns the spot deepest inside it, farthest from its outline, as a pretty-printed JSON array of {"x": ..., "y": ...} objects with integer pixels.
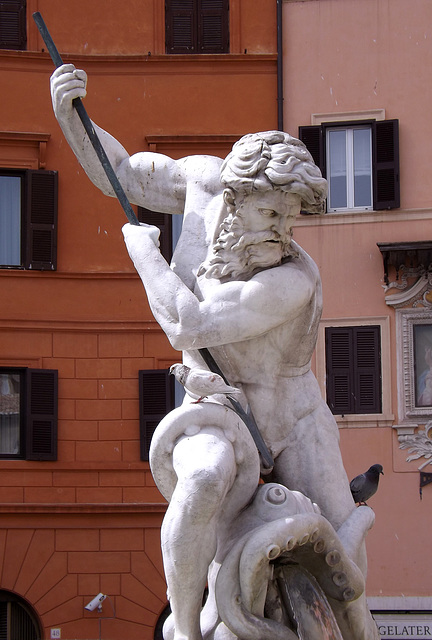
[
  {"x": 231, "y": 312},
  {"x": 151, "y": 180}
]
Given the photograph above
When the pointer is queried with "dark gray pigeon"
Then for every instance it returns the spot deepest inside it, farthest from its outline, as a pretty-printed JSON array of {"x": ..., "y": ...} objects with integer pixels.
[{"x": 366, "y": 484}]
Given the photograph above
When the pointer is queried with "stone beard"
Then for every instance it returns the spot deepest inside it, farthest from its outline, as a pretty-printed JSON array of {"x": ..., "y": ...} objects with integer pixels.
[{"x": 238, "y": 253}]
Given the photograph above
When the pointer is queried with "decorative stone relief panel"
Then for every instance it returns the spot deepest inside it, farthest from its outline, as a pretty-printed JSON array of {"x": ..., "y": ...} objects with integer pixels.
[
  {"x": 414, "y": 339},
  {"x": 414, "y": 366}
]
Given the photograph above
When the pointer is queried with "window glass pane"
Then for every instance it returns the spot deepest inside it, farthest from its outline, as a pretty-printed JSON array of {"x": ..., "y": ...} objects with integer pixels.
[
  {"x": 10, "y": 220},
  {"x": 177, "y": 224},
  {"x": 362, "y": 155},
  {"x": 10, "y": 389},
  {"x": 423, "y": 364},
  {"x": 337, "y": 169}
]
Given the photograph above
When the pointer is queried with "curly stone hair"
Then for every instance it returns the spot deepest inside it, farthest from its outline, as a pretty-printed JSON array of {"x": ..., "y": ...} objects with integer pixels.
[{"x": 274, "y": 159}]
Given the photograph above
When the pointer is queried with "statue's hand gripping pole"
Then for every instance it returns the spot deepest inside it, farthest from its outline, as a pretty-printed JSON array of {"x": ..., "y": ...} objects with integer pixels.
[{"x": 88, "y": 126}]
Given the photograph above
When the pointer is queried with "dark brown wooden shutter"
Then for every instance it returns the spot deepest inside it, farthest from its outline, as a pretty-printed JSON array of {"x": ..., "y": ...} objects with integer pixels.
[
  {"x": 156, "y": 397},
  {"x": 13, "y": 25},
  {"x": 313, "y": 138},
  {"x": 181, "y": 26},
  {"x": 197, "y": 26},
  {"x": 339, "y": 363},
  {"x": 386, "y": 187},
  {"x": 367, "y": 367},
  {"x": 213, "y": 26},
  {"x": 41, "y": 414},
  {"x": 41, "y": 220},
  {"x": 353, "y": 363},
  {"x": 164, "y": 222},
  {"x": 3, "y": 620}
]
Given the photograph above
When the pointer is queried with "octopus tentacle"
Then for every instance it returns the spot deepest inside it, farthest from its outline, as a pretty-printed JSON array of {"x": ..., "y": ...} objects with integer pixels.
[{"x": 307, "y": 539}]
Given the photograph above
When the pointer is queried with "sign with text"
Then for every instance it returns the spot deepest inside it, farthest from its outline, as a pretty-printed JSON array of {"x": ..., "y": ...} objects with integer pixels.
[{"x": 414, "y": 626}]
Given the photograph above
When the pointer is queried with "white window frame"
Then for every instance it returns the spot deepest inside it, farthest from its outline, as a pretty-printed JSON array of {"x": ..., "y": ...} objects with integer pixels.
[{"x": 349, "y": 130}]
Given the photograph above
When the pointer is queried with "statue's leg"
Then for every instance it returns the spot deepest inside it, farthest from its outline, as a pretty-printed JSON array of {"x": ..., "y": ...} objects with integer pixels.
[
  {"x": 312, "y": 464},
  {"x": 205, "y": 467}
]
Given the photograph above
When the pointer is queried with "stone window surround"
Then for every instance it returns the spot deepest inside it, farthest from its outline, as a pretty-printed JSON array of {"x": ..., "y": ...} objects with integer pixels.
[{"x": 384, "y": 419}]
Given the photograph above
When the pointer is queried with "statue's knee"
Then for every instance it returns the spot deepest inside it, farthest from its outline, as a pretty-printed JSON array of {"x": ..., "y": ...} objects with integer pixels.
[
  {"x": 205, "y": 464},
  {"x": 212, "y": 481}
]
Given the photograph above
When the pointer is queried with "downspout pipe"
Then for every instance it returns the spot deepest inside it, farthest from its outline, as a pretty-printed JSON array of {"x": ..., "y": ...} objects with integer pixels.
[{"x": 280, "y": 98}]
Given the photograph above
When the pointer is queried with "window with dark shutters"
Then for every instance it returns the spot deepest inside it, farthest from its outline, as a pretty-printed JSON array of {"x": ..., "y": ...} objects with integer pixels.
[
  {"x": 353, "y": 368},
  {"x": 28, "y": 413},
  {"x": 385, "y": 156},
  {"x": 163, "y": 221},
  {"x": 197, "y": 26},
  {"x": 13, "y": 24},
  {"x": 33, "y": 220},
  {"x": 156, "y": 397}
]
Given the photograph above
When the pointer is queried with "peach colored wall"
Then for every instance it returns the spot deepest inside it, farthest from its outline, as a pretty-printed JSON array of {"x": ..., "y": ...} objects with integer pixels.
[
  {"x": 345, "y": 55},
  {"x": 341, "y": 56}
]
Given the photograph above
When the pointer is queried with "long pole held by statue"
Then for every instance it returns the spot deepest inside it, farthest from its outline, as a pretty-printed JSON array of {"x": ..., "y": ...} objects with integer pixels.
[
  {"x": 88, "y": 126},
  {"x": 246, "y": 416}
]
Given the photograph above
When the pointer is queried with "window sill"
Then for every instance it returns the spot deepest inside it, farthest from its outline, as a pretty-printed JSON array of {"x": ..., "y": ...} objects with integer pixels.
[
  {"x": 363, "y": 217},
  {"x": 364, "y": 420}
]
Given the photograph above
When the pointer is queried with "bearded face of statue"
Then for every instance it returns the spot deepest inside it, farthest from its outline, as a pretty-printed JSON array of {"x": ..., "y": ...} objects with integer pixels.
[{"x": 255, "y": 235}]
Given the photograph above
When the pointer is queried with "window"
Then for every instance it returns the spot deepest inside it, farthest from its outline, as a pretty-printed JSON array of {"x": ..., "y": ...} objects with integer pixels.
[
  {"x": 17, "y": 619},
  {"x": 360, "y": 161},
  {"x": 28, "y": 414},
  {"x": 414, "y": 333},
  {"x": 353, "y": 369},
  {"x": 28, "y": 219},
  {"x": 13, "y": 24},
  {"x": 349, "y": 168},
  {"x": 157, "y": 398},
  {"x": 196, "y": 26}
]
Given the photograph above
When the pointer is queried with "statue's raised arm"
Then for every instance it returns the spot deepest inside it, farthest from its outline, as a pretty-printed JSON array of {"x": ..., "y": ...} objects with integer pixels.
[{"x": 149, "y": 179}]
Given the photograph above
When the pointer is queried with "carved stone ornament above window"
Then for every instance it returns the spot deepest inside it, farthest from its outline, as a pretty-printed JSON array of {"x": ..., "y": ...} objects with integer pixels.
[{"x": 407, "y": 269}]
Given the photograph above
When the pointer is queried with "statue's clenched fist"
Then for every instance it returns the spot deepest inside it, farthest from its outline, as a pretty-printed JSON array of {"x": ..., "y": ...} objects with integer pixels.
[{"x": 67, "y": 83}]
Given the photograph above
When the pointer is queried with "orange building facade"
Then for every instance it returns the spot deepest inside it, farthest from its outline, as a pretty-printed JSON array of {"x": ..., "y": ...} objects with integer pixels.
[
  {"x": 355, "y": 69},
  {"x": 80, "y": 514}
]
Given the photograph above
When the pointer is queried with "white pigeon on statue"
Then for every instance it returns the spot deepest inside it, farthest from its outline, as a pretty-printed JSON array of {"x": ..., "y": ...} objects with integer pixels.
[{"x": 200, "y": 383}]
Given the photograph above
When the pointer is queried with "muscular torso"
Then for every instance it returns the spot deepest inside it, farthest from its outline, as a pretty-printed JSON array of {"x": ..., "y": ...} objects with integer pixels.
[{"x": 272, "y": 368}]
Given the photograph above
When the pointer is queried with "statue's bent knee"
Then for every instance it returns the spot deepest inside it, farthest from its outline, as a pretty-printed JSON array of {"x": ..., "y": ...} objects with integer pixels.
[{"x": 187, "y": 429}]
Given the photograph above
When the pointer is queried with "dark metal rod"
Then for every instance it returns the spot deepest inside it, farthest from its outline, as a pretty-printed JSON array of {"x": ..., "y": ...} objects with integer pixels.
[
  {"x": 88, "y": 126},
  {"x": 280, "y": 98},
  {"x": 247, "y": 418}
]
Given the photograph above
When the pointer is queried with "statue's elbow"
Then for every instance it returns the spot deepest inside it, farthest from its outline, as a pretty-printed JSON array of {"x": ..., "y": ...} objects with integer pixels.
[{"x": 181, "y": 339}]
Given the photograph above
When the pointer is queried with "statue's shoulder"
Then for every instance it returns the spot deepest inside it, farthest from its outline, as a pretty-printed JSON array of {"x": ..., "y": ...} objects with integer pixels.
[
  {"x": 300, "y": 262},
  {"x": 203, "y": 171},
  {"x": 303, "y": 258}
]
